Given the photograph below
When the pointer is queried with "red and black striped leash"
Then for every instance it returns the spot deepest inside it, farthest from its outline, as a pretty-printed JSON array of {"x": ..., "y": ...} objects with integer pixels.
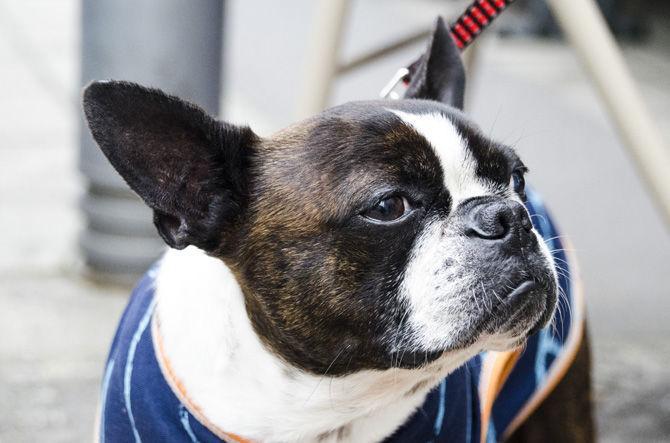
[{"x": 477, "y": 16}]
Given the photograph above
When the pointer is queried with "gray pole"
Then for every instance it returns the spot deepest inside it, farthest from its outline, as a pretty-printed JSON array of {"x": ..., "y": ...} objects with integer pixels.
[{"x": 174, "y": 45}]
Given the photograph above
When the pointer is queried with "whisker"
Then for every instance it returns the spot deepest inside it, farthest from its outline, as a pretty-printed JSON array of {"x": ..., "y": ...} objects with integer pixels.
[
  {"x": 500, "y": 300},
  {"x": 490, "y": 309},
  {"x": 562, "y": 260},
  {"x": 475, "y": 299},
  {"x": 562, "y": 250},
  {"x": 539, "y": 216},
  {"x": 326, "y": 373},
  {"x": 546, "y": 240},
  {"x": 562, "y": 296},
  {"x": 563, "y": 273}
]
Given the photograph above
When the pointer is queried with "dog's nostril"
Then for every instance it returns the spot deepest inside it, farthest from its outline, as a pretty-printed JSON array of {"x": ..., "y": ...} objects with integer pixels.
[{"x": 489, "y": 221}]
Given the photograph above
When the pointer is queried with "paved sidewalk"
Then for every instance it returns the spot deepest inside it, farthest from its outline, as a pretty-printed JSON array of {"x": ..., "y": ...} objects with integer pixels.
[{"x": 56, "y": 331}]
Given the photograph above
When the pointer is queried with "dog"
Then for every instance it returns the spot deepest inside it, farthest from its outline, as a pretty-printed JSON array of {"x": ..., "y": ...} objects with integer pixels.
[{"x": 378, "y": 272}]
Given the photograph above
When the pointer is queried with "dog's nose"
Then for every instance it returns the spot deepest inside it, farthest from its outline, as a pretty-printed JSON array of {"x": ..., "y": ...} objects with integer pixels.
[{"x": 496, "y": 219}]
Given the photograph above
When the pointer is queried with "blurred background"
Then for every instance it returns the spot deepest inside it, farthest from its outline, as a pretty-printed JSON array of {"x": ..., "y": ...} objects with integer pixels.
[{"x": 74, "y": 239}]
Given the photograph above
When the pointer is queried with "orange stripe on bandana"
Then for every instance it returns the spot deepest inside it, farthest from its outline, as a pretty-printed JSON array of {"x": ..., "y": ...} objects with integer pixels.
[{"x": 495, "y": 369}]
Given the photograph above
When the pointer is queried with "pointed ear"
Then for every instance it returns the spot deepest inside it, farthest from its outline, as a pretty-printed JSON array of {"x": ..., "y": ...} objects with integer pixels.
[
  {"x": 189, "y": 168},
  {"x": 439, "y": 73}
]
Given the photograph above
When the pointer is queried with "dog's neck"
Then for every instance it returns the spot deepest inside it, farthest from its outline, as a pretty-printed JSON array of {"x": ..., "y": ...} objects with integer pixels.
[{"x": 240, "y": 387}]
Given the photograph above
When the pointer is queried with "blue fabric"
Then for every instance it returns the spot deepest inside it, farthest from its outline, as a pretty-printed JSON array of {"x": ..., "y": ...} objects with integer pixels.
[
  {"x": 450, "y": 412},
  {"x": 139, "y": 405}
]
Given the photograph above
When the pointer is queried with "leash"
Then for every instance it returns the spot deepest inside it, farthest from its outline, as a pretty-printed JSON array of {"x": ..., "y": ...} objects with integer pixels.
[{"x": 476, "y": 17}]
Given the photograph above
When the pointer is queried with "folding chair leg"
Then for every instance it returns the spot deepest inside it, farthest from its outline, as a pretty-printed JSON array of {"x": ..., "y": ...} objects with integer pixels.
[
  {"x": 323, "y": 56},
  {"x": 585, "y": 27}
]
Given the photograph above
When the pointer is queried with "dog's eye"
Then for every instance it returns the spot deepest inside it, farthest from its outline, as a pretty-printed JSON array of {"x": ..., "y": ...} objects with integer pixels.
[
  {"x": 518, "y": 183},
  {"x": 389, "y": 209}
]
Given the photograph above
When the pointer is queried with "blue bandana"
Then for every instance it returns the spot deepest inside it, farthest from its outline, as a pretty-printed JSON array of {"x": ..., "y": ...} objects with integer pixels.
[{"x": 484, "y": 400}]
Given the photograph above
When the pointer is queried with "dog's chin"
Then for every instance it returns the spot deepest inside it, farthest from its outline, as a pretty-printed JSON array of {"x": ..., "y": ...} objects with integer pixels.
[
  {"x": 495, "y": 336},
  {"x": 507, "y": 325},
  {"x": 413, "y": 358},
  {"x": 524, "y": 312},
  {"x": 521, "y": 310},
  {"x": 501, "y": 342}
]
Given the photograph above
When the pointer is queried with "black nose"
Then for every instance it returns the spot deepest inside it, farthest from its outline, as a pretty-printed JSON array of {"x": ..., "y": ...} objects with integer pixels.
[{"x": 496, "y": 219}]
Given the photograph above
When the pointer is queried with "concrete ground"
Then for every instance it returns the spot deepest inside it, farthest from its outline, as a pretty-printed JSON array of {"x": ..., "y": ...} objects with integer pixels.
[{"x": 55, "y": 326}]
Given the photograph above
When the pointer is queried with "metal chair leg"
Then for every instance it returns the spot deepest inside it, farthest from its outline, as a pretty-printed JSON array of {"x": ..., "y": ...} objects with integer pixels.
[
  {"x": 323, "y": 58},
  {"x": 585, "y": 28}
]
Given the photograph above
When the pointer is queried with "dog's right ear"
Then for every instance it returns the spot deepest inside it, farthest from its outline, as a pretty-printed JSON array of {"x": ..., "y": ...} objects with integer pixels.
[
  {"x": 439, "y": 73},
  {"x": 189, "y": 168}
]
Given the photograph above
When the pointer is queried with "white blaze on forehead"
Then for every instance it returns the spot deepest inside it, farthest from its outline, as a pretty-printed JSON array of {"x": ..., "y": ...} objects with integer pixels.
[
  {"x": 458, "y": 165},
  {"x": 437, "y": 297}
]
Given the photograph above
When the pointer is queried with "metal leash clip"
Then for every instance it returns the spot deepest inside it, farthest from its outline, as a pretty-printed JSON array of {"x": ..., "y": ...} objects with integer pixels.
[
  {"x": 477, "y": 17},
  {"x": 388, "y": 91}
]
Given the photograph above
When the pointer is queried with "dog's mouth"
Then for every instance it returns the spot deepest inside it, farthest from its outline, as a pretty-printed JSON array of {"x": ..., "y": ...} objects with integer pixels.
[
  {"x": 524, "y": 311},
  {"x": 511, "y": 319},
  {"x": 516, "y": 303}
]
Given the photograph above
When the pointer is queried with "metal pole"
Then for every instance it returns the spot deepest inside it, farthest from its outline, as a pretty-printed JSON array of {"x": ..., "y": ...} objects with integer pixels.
[
  {"x": 323, "y": 56},
  {"x": 374, "y": 55},
  {"x": 587, "y": 31},
  {"x": 171, "y": 44}
]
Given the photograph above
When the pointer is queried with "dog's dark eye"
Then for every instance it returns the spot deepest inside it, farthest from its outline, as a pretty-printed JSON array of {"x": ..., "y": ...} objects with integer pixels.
[
  {"x": 389, "y": 209},
  {"x": 518, "y": 183}
]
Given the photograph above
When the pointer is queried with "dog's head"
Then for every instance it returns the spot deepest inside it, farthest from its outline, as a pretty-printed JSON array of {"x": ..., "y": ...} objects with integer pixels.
[{"x": 375, "y": 234}]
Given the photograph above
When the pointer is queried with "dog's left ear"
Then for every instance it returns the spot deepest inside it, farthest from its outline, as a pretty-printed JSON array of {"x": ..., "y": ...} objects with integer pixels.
[
  {"x": 191, "y": 169},
  {"x": 439, "y": 73}
]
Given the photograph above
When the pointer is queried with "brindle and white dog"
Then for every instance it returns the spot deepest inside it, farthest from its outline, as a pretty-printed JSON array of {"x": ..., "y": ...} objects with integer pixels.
[{"x": 322, "y": 281}]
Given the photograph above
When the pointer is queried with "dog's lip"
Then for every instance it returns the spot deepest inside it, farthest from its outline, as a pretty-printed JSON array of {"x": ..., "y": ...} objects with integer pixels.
[
  {"x": 513, "y": 304},
  {"x": 517, "y": 295},
  {"x": 507, "y": 310}
]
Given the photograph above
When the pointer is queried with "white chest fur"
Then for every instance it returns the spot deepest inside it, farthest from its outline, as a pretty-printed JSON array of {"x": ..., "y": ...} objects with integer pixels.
[{"x": 242, "y": 388}]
